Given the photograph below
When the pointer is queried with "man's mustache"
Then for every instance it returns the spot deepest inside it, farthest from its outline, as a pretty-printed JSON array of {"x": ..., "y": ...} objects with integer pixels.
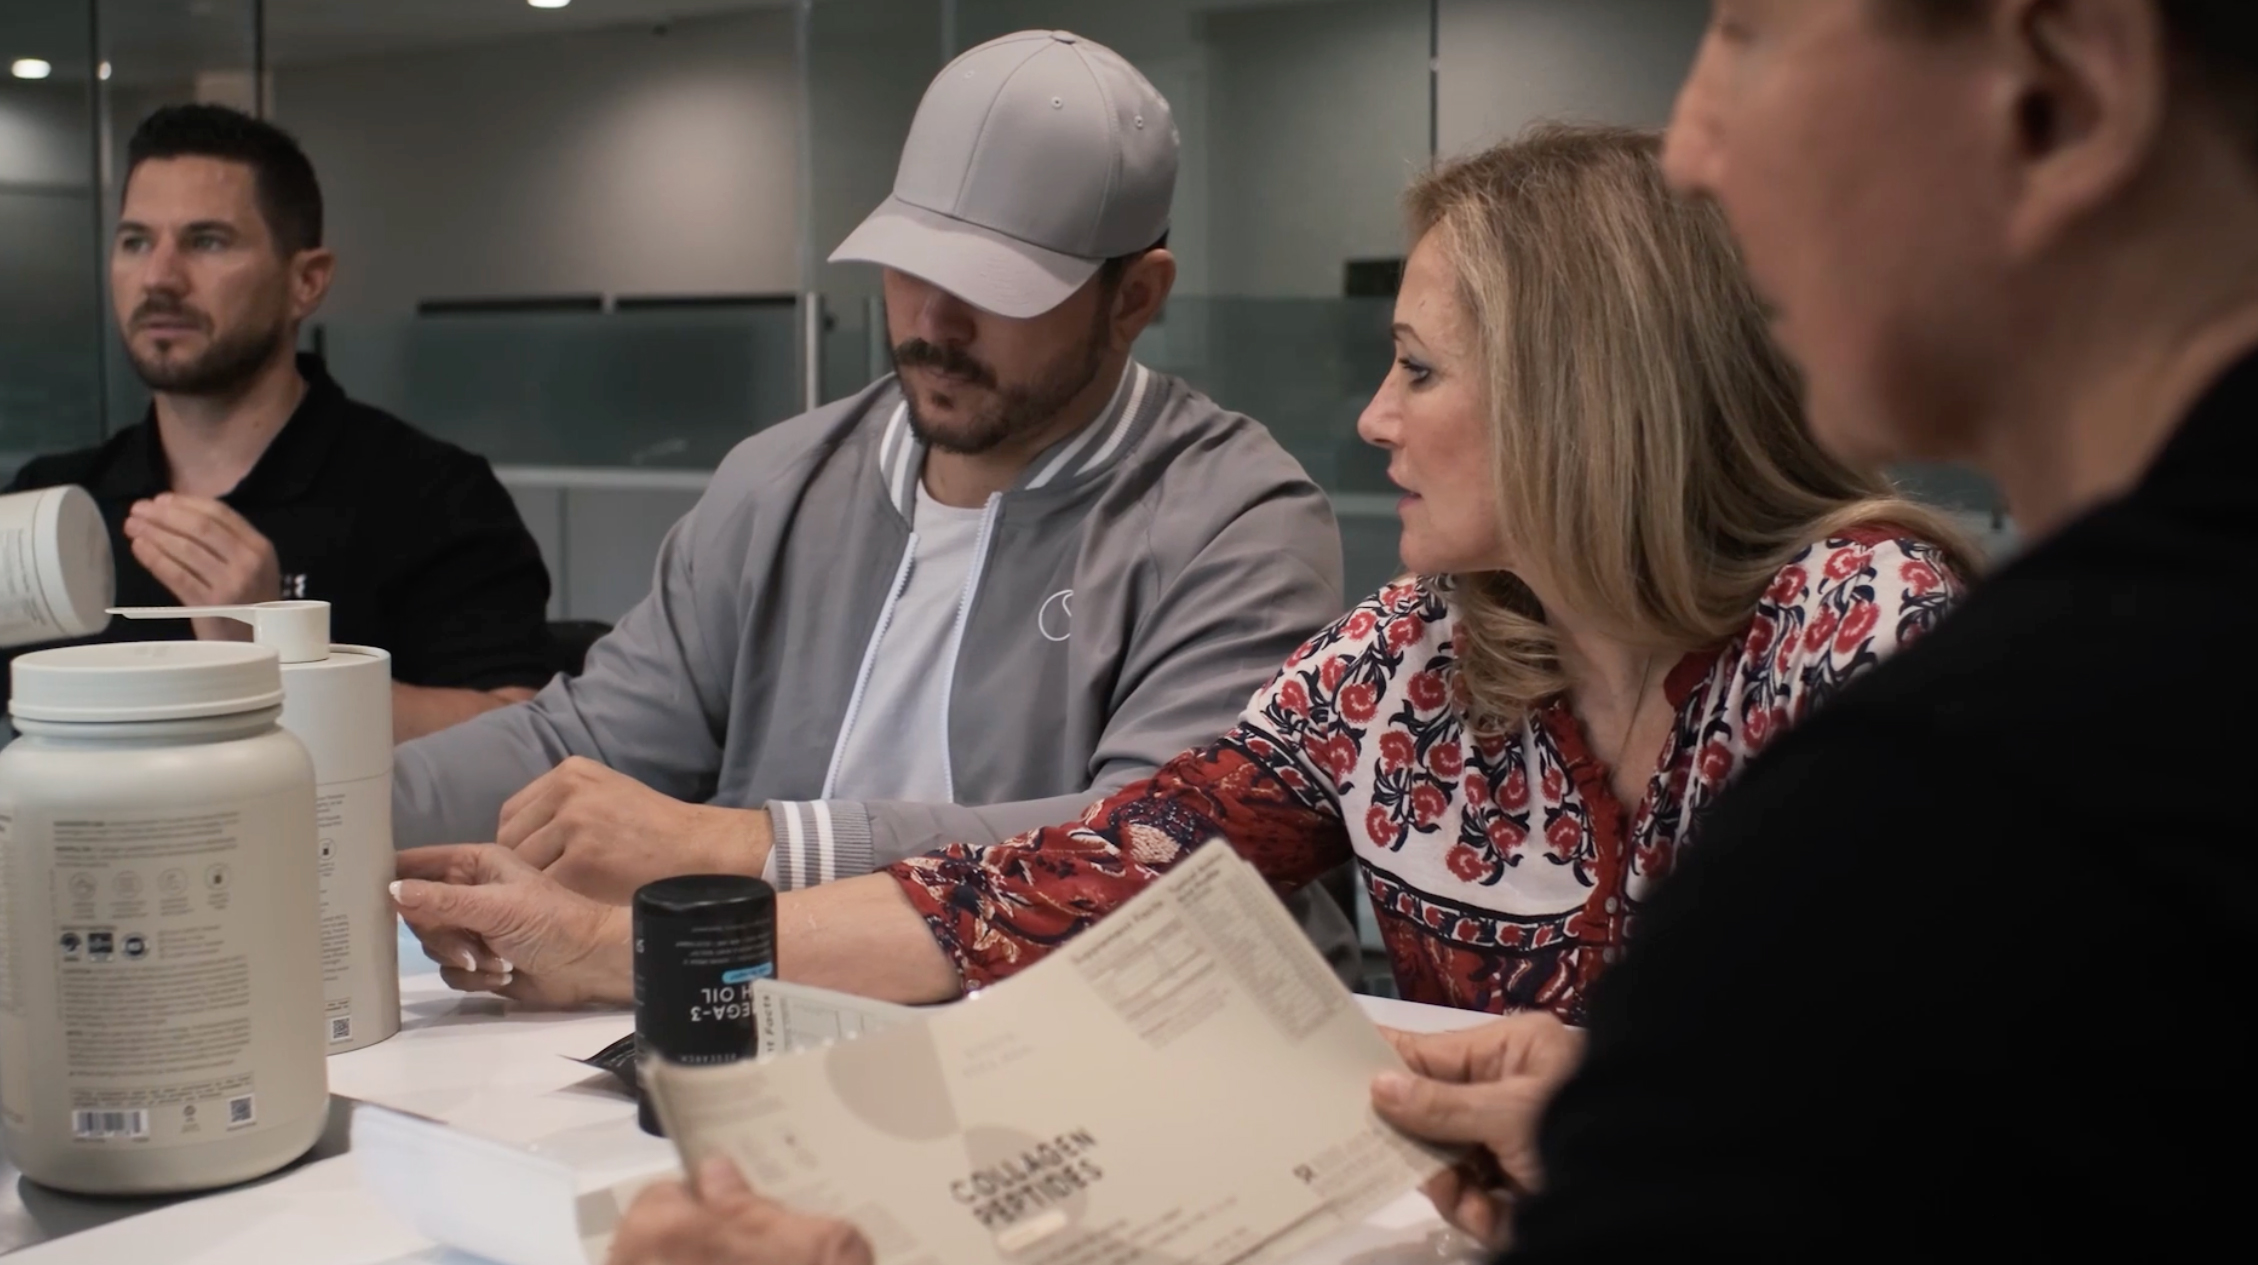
[
  {"x": 954, "y": 361},
  {"x": 174, "y": 309}
]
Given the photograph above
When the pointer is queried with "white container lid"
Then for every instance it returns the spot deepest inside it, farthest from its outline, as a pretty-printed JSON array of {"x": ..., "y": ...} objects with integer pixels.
[
  {"x": 145, "y": 680},
  {"x": 75, "y": 567}
]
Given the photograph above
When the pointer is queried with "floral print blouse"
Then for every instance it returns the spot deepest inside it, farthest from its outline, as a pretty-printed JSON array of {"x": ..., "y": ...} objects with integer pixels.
[{"x": 1504, "y": 873}]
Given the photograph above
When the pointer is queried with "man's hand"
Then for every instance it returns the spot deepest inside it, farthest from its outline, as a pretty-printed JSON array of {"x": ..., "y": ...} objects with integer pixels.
[
  {"x": 604, "y": 834},
  {"x": 495, "y": 924},
  {"x": 725, "y": 1223},
  {"x": 1486, "y": 1086},
  {"x": 207, "y": 554}
]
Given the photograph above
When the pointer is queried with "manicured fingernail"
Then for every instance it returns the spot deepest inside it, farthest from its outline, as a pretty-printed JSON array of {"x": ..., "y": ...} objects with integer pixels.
[
  {"x": 1391, "y": 1087},
  {"x": 506, "y": 968},
  {"x": 394, "y": 887},
  {"x": 470, "y": 961}
]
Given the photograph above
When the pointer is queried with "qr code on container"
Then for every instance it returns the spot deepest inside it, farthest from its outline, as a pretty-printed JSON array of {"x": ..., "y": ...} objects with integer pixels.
[
  {"x": 340, "y": 1029},
  {"x": 240, "y": 1111},
  {"x": 109, "y": 1124}
]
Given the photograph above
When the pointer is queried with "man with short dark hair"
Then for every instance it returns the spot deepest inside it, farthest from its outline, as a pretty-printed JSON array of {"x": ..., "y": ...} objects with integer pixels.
[
  {"x": 1997, "y": 1011},
  {"x": 254, "y": 478}
]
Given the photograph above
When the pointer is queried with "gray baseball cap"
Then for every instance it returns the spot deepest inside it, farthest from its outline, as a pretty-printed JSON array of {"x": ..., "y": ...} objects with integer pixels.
[{"x": 1034, "y": 158}]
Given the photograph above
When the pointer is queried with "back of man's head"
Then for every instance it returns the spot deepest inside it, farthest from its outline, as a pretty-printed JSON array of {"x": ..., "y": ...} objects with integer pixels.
[{"x": 289, "y": 194}]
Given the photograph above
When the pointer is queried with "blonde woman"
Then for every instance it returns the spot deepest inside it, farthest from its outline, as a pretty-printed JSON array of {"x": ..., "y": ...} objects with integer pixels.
[{"x": 1633, "y": 570}]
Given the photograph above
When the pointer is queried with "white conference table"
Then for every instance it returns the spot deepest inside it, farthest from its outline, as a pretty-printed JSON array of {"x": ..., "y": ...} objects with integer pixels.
[{"x": 507, "y": 1074}]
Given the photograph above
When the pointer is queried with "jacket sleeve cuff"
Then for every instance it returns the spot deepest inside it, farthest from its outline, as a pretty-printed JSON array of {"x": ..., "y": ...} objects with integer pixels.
[{"x": 817, "y": 842}]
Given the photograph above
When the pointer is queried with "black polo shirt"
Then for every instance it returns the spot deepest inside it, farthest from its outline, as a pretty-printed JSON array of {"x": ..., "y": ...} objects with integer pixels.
[
  {"x": 1961, "y": 968},
  {"x": 413, "y": 541}
]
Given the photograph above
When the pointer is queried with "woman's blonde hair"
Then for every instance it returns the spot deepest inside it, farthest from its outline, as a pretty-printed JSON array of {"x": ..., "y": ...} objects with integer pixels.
[{"x": 1652, "y": 466}]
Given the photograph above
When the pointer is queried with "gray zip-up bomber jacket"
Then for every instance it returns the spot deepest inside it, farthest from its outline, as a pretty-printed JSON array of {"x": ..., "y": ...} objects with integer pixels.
[{"x": 1127, "y": 596}]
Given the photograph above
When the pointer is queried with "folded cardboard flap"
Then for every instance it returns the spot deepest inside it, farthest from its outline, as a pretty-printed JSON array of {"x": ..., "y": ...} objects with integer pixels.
[{"x": 487, "y": 1198}]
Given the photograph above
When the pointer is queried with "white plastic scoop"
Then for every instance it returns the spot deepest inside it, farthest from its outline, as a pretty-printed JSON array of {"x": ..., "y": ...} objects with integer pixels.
[{"x": 298, "y": 631}]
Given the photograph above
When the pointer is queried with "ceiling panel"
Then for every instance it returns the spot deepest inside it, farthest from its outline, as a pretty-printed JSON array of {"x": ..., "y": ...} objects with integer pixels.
[
  {"x": 156, "y": 41},
  {"x": 146, "y": 37},
  {"x": 303, "y": 31}
]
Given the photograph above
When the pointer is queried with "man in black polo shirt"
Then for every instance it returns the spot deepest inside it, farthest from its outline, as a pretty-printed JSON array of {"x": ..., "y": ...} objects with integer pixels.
[
  {"x": 1961, "y": 968},
  {"x": 254, "y": 478}
]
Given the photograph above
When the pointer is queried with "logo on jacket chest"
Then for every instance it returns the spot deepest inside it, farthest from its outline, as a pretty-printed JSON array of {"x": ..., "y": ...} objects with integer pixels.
[{"x": 1056, "y": 618}]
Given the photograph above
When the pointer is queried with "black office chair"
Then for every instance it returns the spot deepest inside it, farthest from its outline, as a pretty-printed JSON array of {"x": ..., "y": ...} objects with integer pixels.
[{"x": 569, "y": 640}]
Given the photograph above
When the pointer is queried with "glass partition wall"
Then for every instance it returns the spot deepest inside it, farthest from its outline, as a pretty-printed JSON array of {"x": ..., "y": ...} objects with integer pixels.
[
  {"x": 581, "y": 238},
  {"x": 75, "y": 75},
  {"x": 50, "y": 339}
]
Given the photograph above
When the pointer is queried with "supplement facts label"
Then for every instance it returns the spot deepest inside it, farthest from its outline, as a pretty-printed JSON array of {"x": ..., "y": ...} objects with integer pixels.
[
  {"x": 345, "y": 884},
  {"x": 10, "y": 1003},
  {"x": 153, "y": 983},
  {"x": 15, "y": 1078},
  {"x": 23, "y": 603}
]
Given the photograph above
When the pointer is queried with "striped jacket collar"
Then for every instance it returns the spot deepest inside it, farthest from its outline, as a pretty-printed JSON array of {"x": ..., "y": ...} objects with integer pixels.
[{"x": 1075, "y": 459}]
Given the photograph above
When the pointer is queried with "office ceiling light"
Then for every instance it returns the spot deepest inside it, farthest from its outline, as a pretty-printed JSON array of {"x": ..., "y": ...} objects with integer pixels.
[
  {"x": 102, "y": 72},
  {"x": 30, "y": 68},
  {"x": 548, "y": 4}
]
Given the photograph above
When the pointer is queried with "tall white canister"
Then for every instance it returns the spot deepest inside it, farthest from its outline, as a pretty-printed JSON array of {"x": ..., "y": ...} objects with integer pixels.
[
  {"x": 160, "y": 938},
  {"x": 338, "y": 701},
  {"x": 55, "y": 570}
]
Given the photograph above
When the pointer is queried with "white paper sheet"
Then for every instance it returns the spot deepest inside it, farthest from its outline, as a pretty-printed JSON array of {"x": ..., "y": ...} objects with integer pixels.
[
  {"x": 789, "y": 1018},
  {"x": 1187, "y": 1083}
]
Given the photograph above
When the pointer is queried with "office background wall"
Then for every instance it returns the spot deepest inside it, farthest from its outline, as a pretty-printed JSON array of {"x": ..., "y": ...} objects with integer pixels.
[
  {"x": 605, "y": 162},
  {"x": 1301, "y": 122},
  {"x": 49, "y": 312},
  {"x": 494, "y": 152},
  {"x": 623, "y": 161},
  {"x": 1503, "y": 64},
  {"x": 48, "y": 334}
]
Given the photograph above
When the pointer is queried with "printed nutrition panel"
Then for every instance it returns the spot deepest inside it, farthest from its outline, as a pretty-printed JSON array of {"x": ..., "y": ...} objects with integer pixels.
[{"x": 155, "y": 992}]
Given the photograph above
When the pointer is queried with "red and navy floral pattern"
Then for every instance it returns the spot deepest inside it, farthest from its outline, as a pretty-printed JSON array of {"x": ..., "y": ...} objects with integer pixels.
[{"x": 1504, "y": 872}]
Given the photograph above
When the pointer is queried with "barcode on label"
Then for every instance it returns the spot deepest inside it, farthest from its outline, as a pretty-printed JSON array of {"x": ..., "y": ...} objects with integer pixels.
[
  {"x": 341, "y": 1029},
  {"x": 239, "y": 1111},
  {"x": 110, "y": 1124}
]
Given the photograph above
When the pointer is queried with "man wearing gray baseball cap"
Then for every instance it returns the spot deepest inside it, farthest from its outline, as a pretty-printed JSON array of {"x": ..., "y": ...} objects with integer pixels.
[
  {"x": 1022, "y": 571},
  {"x": 1033, "y": 160}
]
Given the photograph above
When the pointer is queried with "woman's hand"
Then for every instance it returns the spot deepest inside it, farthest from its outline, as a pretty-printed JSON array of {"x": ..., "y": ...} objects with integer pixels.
[
  {"x": 496, "y": 924},
  {"x": 1484, "y": 1086}
]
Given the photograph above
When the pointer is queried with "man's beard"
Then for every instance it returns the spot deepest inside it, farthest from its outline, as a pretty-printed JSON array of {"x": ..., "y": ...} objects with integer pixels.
[
  {"x": 1014, "y": 411},
  {"x": 228, "y": 363}
]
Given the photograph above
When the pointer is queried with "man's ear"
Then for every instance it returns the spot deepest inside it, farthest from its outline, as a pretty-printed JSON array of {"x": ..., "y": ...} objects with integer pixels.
[
  {"x": 1143, "y": 291},
  {"x": 311, "y": 271},
  {"x": 2088, "y": 83}
]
